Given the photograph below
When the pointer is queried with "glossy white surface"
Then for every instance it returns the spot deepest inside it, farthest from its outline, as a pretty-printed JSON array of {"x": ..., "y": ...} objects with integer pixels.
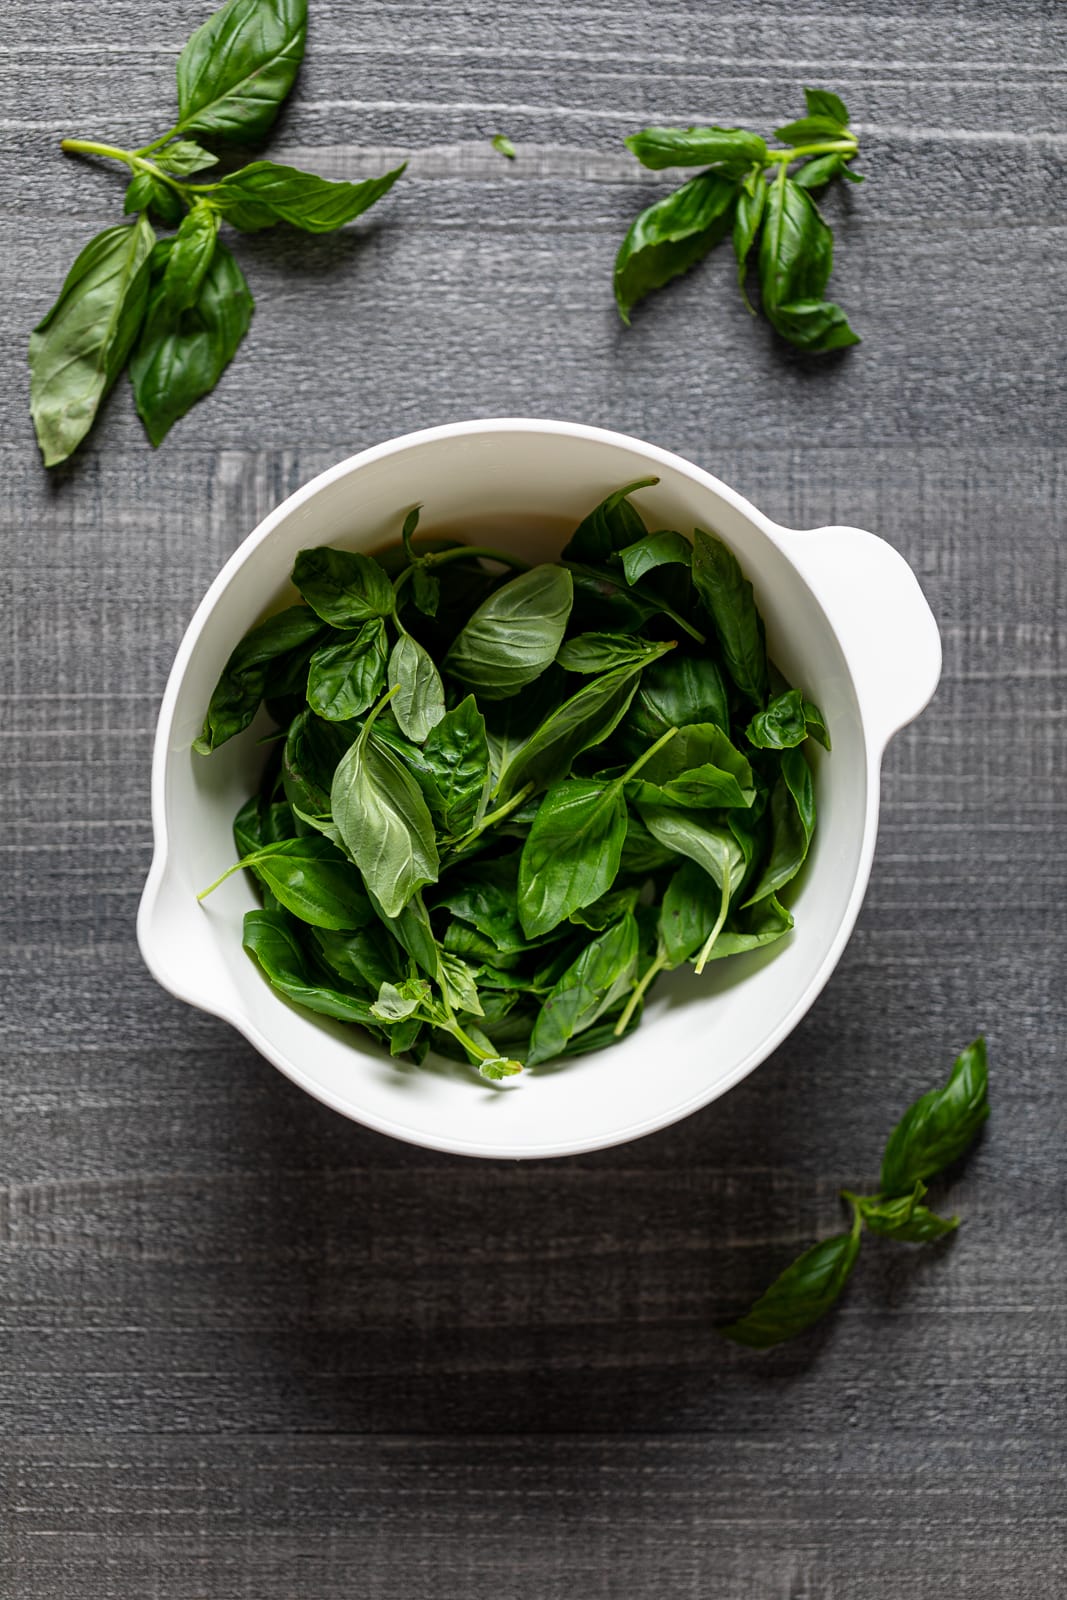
[{"x": 846, "y": 621}]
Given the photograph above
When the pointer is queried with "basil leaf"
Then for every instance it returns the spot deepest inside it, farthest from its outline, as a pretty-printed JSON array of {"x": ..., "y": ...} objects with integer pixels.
[
  {"x": 514, "y": 634},
  {"x": 346, "y": 678},
  {"x": 796, "y": 258},
  {"x": 237, "y": 695},
  {"x": 79, "y": 348},
  {"x": 688, "y": 834},
  {"x": 259, "y": 195},
  {"x": 641, "y": 853},
  {"x": 587, "y": 718},
  {"x": 397, "y": 1002},
  {"x": 817, "y": 729},
  {"x": 940, "y": 1126},
  {"x": 146, "y": 192},
  {"x": 488, "y": 900},
  {"x": 824, "y": 103},
  {"x": 425, "y": 591},
  {"x": 818, "y": 172},
  {"x": 503, "y": 145},
  {"x": 180, "y": 357},
  {"x": 701, "y": 789},
  {"x": 802, "y": 1294},
  {"x": 676, "y": 692},
  {"x": 782, "y": 725},
  {"x": 311, "y": 878},
  {"x": 493, "y": 1068},
  {"x": 751, "y": 929},
  {"x": 458, "y": 985},
  {"x": 672, "y": 236},
  {"x": 184, "y": 156},
  {"x": 792, "y": 825},
  {"x": 687, "y": 914},
  {"x": 457, "y": 753},
  {"x": 239, "y": 66},
  {"x": 365, "y": 959},
  {"x": 189, "y": 258},
  {"x": 904, "y": 1218},
  {"x": 411, "y": 929},
  {"x": 600, "y": 914},
  {"x": 419, "y": 702},
  {"x": 699, "y": 767},
  {"x": 270, "y": 939},
  {"x": 609, "y": 527},
  {"x": 809, "y": 130},
  {"x": 591, "y": 985},
  {"x": 571, "y": 855},
  {"x": 728, "y": 597},
  {"x": 600, "y": 652},
  {"x": 655, "y": 550},
  {"x": 384, "y": 822},
  {"x": 658, "y": 148},
  {"x": 343, "y": 586},
  {"x": 748, "y": 216},
  {"x": 261, "y": 821},
  {"x": 313, "y": 748}
]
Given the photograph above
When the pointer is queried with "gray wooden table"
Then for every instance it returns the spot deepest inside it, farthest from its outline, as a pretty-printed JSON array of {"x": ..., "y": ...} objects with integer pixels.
[{"x": 251, "y": 1349}]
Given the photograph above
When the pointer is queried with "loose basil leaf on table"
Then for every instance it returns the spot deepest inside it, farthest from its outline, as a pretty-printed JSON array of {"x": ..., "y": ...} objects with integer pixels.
[
  {"x": 672, "y": 236},
  {"x": 904, "y": 1218},
  {"x": 795, "y": 261},
  {"x": 181, "y": 355},
  {"x": 79, "y": 348},
  {"x": 238, "y": 68},
  {"x": 265, "y": 193},
  {"x": 183, "y": 157},
  {"x": 146, "y": 192},
  {"x": 657, "y": 148},
  {"x": 802, "y": 1294},
  {"x": 187, "y": 261},
  {"x": 940, "y": 1126}
]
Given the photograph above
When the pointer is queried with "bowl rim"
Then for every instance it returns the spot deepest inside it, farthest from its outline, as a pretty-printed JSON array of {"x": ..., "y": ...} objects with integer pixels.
[{"x": 162, "y": 753}]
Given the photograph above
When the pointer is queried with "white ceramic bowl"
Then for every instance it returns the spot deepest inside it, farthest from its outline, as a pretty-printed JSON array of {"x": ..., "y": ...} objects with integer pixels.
[{"x": 846, "y": 621}]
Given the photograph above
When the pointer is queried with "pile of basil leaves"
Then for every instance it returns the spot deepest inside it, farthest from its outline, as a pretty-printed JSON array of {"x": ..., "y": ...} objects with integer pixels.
[{"x": 501, "y": 800}]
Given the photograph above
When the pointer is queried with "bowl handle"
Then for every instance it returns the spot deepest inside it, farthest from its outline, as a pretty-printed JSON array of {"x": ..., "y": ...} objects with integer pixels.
[
  {"x": 170, "y": 935},
  {"x": 882, "y": 620}
]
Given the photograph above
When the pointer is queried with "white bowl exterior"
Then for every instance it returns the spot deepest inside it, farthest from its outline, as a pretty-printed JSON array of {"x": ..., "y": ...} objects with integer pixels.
[{"x": 846, "y": 621}]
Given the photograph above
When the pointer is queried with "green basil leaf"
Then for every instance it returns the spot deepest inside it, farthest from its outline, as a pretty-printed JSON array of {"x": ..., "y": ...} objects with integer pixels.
[
  {"x": 701, "y": 789},
  {"x": 819, "y": 171},
  {"x": 591, "y": 985},
  {"x": 180, "y": 357},
  {"x": 503, "y": 145},
  {"x": 733, "y": 148},
  {"x": 343, "y": 586},
  {"x": 752, "y": 928},
  {"x": 346, "y": 678},
  {"x": 689, "y": 834},
  {"x": 493, "y": 1068},
  {"x": 313, "y": 748},
  {"x": 587, "y": 718},
  {"x": 824, "y": 103},
  {"x": 809, "y": 130},
  {"x": 310, "y": 878},
  {"x": 514, "y": 634},
  {"x": 259, "y": 195},
  {"x": 365, "y": 959},
  {"x": 79, "y": 348},
  {"x": 411, "y": 929},
  {"x": 183, "y": 157},
  {"x": 813, "y": 325},
  {"x": 261, "y": 821},
  {"x": 425, "y": 591},
  {"x": 687, "y": 914},
  {"x": 189, "y": 258},
  {"x": 599, "y": 652},
  {"x": 237, "y": 695},
  {"x": 237, "y": 69},
  {"x": 600, "y": 914},
  {"x": 700, "y": 767},
  {"x": 268, "y": 937},
  {"x": 384, "y": 822},
  {"x": 781, "y": 725},
  {"x": 146, "y": 192},
  {"x": 609, "y": 527},
  {"x": 792, "y": 825},
  {"x": 457, "y": 754},
  {"x": 672, "y": 236},
  {"x": 641, "y": 853},
  {"x": 419, "y": 702},
  {"x": 487, "y": 899},
  {"x": 796, "y": 248},
  {"x": 802, "y": 1294},
  {"x": 728, "y": 597},
  {"x": 397, "y": 1002},
  {"x": 676, "y": 692},
  {"x": 904, "y": 1218},
  {"x": 571, "y": 856},
  {"x": 940, "y": 1126},
  {"x": 458, "y": 985},
  {"x": 817, "y": 729},
  {"x": 655, "y": 550},
  {"x": 748, "y": 216}
]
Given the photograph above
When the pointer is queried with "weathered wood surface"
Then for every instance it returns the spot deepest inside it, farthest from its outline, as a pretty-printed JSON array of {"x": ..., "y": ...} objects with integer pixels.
[{"x": 247, "y": 1348}]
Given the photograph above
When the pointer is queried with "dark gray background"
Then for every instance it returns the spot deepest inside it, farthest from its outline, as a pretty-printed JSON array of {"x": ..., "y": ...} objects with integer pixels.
[{"x": 250, "y": 1349}]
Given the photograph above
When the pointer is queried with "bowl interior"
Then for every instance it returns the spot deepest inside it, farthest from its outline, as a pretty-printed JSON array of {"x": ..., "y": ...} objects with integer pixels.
[{"x": 524, "y": 489}]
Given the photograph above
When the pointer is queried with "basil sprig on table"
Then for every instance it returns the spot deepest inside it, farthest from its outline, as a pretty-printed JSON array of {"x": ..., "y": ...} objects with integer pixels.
[
  {"x": 932, "y": 1133},
  {"x": 504, "y": 799},
  {"x": 176, "y": 308},
  {"x": 747, "y": 190}
]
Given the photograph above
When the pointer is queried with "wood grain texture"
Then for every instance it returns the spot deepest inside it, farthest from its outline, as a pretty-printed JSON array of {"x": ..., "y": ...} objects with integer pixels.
[{"x": 248, "y": 1349}]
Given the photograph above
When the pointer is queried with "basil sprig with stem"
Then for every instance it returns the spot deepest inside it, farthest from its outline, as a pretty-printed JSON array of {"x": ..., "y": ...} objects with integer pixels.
[
  {"x": 934, "y": 1132},
  {"x": 748, "y": 191},
  {"x": 504, "y": 798},
  {"x": 177, "y": 308}
]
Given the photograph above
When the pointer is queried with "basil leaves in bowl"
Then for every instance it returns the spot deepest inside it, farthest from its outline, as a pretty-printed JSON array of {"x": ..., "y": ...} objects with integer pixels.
[{"x": 523, "y": 797}]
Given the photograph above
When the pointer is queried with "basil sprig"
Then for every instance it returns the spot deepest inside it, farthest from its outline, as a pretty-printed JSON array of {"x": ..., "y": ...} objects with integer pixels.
[
  {"x": 748, "y": 191},
  {"x": 176, "y": 308},
  {"x": 932, "y": 1133},
  {"x": 508, "y": 798}
]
